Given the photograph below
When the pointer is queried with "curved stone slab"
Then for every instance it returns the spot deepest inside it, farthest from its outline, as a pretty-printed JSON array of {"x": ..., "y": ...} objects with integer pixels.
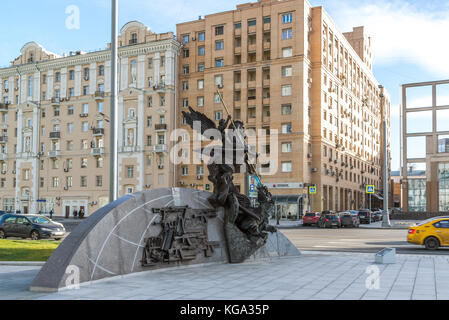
[{"x": 111, "y": 241}]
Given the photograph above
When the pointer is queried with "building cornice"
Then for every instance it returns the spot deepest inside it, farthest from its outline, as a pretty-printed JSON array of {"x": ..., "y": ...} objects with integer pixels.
[{"x": 88, "y": 58}]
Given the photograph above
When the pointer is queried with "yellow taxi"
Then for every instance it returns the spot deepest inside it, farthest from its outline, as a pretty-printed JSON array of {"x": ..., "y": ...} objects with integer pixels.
[{"x": 432, "y": 233}]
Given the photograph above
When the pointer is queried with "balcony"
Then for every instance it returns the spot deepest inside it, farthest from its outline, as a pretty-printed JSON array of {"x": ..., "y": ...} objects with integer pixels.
[
  {"x": 129, "y": 149},
  {"x": 98, "y": 131},
  {"x": 54, "y": 153},
  {"x": 97, "y": 151},
  {"x": 55, "y": 135},
  {"x": 160, "y": 127},
  {"x": 84, "y": 115},
  {"x": 159, "y": 87},
  {"x": 3, "y": 139},
  {"x": 160, "y": 148},
  {"x": 4, "y": 106},
  {"x": 99, "y": 95},
  {"x": 55, "y": 101}
]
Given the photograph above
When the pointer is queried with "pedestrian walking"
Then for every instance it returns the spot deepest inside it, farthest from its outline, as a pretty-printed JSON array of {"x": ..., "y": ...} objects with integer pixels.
[
  {"x": 75, "y": 213},
  {"x": 81, "y": 213},
  {"x": 51, "y": 214}
]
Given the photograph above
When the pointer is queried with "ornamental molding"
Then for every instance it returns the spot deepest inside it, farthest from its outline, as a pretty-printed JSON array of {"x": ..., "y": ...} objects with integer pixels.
[{"x": 93, "y": 57}]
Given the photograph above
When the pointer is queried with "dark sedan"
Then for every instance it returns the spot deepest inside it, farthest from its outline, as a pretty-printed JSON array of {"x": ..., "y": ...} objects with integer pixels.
[
  {"x": 366, "y": 216},
  {"x": 350, "y": 219},
  {"x": 330, "y": 221},
  {"x": 30, "y": 226}
]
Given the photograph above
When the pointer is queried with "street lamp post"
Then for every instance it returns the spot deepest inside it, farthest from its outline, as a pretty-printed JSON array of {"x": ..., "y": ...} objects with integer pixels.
[{"x": 113, "y": 167}]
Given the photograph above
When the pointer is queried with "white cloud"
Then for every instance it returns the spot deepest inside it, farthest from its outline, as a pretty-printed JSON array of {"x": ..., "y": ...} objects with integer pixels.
[{"x": 400, "y": 31}]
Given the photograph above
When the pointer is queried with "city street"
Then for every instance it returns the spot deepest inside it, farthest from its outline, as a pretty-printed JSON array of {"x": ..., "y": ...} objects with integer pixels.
[{"x": 355, "y": 240}]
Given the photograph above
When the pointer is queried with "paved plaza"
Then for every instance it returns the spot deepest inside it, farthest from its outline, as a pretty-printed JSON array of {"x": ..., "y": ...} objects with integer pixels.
[{"x": 314, "y": 275}]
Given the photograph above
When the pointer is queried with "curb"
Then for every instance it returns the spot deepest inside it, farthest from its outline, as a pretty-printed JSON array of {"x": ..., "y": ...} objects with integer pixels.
[{"x": 22, "y": 263}]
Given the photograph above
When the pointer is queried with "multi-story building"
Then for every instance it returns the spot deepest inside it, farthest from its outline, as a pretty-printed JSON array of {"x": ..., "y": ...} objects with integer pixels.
[
  {"x": 54, "y": 118},
  {"x": 285, "y": 66},
  {"x": 425, "y": 146}
]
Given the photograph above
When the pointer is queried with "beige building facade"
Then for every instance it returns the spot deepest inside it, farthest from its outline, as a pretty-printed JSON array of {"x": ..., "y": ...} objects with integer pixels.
[
  {"x": 285, "y": 66},
  {"x": 55, "y": 123}
]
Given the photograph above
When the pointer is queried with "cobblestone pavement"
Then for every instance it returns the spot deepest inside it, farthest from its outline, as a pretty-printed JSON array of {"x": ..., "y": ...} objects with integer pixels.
[{"x": 315, "y": 275}]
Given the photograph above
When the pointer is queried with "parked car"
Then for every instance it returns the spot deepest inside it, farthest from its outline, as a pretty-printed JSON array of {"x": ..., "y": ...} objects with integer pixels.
[
  {"x": 329, "y": 221},
  {"x": 377, "y": 216},
  {"x": 350, "y": 219},
  {"x": 310, "y": 218},
  {"x": 365, "y": 216},
  {"x": 30, "y": 226},
  {"x": 432, "y": 233}
]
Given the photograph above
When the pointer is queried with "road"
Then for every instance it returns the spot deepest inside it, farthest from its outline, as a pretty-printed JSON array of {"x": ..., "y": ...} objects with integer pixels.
[{"x": 354, "y": 240}]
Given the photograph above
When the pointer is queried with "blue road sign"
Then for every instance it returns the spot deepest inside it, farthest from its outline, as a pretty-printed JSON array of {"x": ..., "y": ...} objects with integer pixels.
[{"x": 369, "y": 189}]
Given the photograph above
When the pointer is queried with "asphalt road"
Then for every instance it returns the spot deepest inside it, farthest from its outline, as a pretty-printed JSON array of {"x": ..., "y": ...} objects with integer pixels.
[{"x": 355, "y": 240}]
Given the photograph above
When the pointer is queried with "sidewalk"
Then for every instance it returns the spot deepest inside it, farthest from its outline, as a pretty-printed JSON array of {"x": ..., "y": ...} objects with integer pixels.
[
  {"x": 395, "y": 224},
  {"x": 314, "y": 276},
  {"x": 286, "y": 224}
]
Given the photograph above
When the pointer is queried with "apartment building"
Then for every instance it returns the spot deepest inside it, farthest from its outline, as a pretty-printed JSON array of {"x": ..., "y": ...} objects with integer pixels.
[
  {"x": 54, "y": 118},
  {"x": 285, "y": 66},
  {"x": 425, "y": 146}
]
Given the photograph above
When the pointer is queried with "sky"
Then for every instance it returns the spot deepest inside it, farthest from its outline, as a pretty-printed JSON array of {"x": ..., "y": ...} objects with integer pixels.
[{"x": 409, "y": 37}]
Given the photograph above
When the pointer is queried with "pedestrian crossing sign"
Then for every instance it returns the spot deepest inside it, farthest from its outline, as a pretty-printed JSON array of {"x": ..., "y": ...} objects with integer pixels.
[
  {"x": 312, "y": 190},
  {"x": 369, "y": 189}
]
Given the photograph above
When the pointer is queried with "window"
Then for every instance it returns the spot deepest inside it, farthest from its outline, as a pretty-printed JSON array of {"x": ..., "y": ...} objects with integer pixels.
[
  {"x": 287, "y": 18},
  {"x": 44, "y": 79},
  {"x": 286, "y": 147},
  {"x": 85, "y": 126},
  {"x": 287, "y": 34},
  {"x": 286, "y": 109},
  {"x": 217, "y": 98},
  {"x": 149, "y": 121},
  {"x": 130, "y": 171},
  {"x": 133, "y": 38},
  {"x": 55, "y": 182},
  {"x": 85, "y": 108},
  {"x": 85, "y": 90},
  {"x": 219, "y": 45},
  {"x": 218, "y": 115},
  {"x": 150, "y": 63},
  {"x": 58, "y": 77},
  {"x": 201, "y": 51},
  {"x": 69, "y": 145},
  {"x": 70, "y": 127},
  {"x": 101, "y": 70},
  {"x": 219, "y": 30},
  {"x": 57, "y": 93},
  {"x": 185, "y": 85},
  {"x": 162, "y": 61},
  {"x": 201, "y": 36},
  {"x": 149, "y": 141},
  {"x": 100, "y": 107},
  {"x": 286, "y": 166},
  {"x": 150, "y": 102},
  {"x": 252, "y": 23},
  {"x": 185, "y": 69},
  {"x": 286, "y": 90},
  {"x": 219, "y": 62},
  {"x": 185, "y": 103},
  {"x": 218, "y": 80},
  {"x": 101, "y": 87},
  {"x": 286, "y": 128},
  {"x": 56, "y": 111},
  {"x": 83, "y": 182},
  {"x": 200, "y": 84},
  {"x": 200, "y": 101},
  {"x": 287, "y": 52},
  {"x": 200, "y": 67},
  {"x": 30, "y": 86},
  {"x": 185, "y": 38},
  {"x": 83, "y": 163},
  {"x": 162, "y": 101},
  {"x": 99, "y": 162},
  {"x": 71, "y": 92},
  {"x": 267, "y": 20},
  {"x": 99, "y": 181},
  {"x": 238, "y": 25},
  {"x": 184, "y": 171},
  {"x": 185, "y": 53},
  {"x": 86, "y": 74},
  {"x": 287, "y": 71}
]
